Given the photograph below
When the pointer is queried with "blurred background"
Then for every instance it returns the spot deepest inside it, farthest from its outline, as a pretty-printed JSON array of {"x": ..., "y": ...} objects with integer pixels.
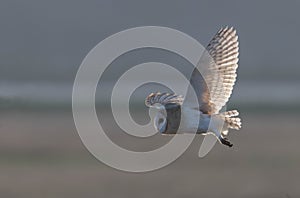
[{"x": 43, "y": 43}]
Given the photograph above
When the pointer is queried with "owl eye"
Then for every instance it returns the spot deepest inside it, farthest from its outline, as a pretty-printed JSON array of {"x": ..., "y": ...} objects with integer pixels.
[{"x": 160, "y": 120}]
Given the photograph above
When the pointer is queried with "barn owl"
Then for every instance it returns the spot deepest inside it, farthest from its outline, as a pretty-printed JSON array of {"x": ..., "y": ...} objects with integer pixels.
[{"x": 212, "y": 87}]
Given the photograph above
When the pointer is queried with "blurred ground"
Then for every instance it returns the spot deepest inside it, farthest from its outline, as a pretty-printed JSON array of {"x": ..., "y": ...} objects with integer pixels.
[{"x": 42, "y": 156}]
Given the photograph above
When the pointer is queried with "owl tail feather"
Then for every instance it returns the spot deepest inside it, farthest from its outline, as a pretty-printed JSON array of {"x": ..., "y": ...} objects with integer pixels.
[{"x": 231, "y": 119}]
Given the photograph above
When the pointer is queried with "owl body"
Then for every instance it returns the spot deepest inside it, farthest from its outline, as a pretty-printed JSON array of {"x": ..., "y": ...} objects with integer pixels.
[{"x": 183, "y": 119}]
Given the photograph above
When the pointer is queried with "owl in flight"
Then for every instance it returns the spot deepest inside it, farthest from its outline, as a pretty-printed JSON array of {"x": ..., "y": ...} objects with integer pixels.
[{"x": 213, "y": 87}]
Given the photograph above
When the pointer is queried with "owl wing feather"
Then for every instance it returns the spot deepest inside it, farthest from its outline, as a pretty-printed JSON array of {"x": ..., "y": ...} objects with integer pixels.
[
  {"x": 163, "y": 99},
  {"x": 218, "y": 66}
]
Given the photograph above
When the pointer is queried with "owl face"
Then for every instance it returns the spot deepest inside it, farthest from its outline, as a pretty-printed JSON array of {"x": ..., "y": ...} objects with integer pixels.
[{"x": 160, "y": 122}]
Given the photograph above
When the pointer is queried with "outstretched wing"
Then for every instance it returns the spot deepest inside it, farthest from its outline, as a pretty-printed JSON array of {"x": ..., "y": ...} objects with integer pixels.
[
  {"x": 217, "y": 65},
  {"x": 162, "y": 99}
]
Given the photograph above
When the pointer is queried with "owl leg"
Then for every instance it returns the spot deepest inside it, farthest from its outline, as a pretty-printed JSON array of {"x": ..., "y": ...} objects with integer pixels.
[
  {"x": 225, "y": 141},
  {"x": 217, "y": 128}
]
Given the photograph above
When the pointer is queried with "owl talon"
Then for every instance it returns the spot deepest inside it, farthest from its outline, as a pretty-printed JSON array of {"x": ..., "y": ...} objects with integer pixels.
[{"x": 226, "y": 142}]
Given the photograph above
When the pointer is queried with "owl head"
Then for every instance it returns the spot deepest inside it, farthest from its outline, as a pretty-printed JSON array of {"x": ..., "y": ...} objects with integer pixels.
[{"x": 167, "y": 118}]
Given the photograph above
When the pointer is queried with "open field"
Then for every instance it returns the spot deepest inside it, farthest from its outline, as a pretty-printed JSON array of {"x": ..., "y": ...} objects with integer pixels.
[{"x": 42, "y": 156}]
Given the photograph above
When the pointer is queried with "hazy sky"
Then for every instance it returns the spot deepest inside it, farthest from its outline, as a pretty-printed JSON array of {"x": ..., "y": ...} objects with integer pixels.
[{"x": 47, "y": 40}]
